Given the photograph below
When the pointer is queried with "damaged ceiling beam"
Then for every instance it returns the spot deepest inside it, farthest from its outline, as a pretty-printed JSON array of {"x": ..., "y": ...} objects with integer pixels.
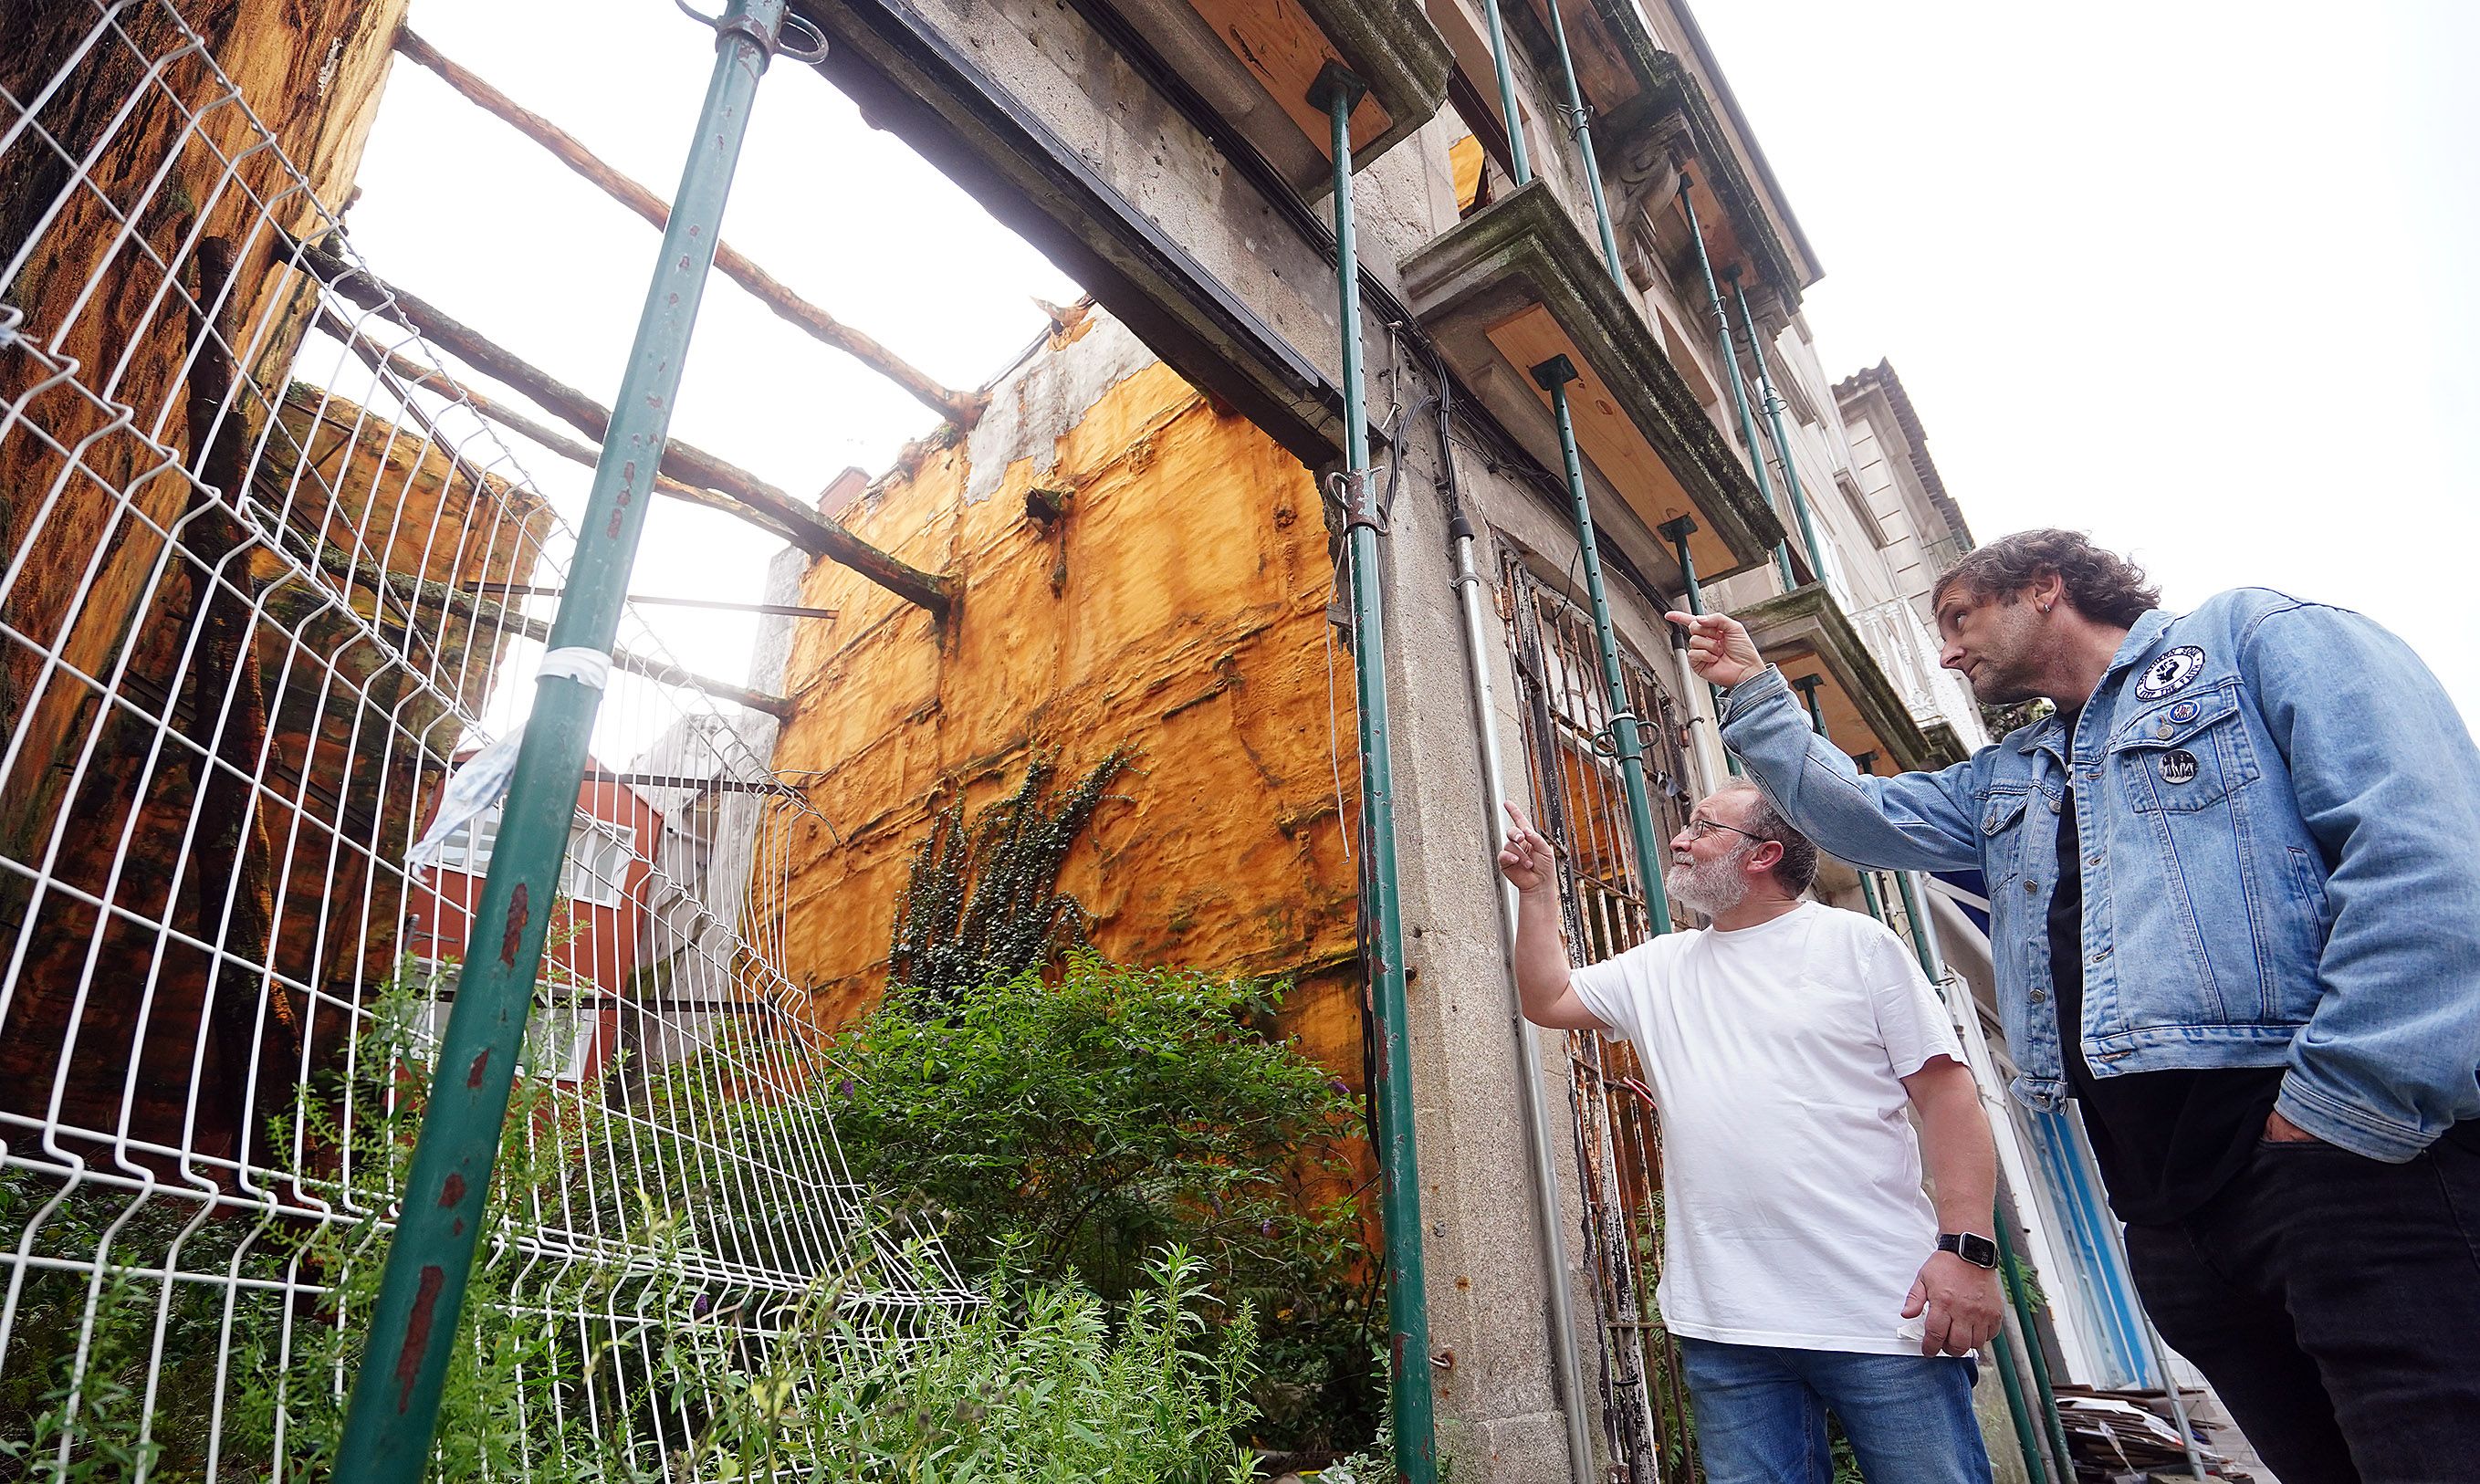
[
  {"x": 380, "y": 358},
  {"x": 795, "y": 520},
  {"x": 961, "y": 408},
  {"x": 418, "y": 592}
]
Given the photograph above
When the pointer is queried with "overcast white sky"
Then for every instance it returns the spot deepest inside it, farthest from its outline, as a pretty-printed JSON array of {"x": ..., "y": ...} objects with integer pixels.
[{"x": 2196, "y": 277}]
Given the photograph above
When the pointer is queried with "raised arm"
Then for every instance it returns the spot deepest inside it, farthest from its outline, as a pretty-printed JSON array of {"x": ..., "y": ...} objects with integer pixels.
[
  {"x": 1530, "y": 866},
  {"x": 1911, "y": 822},
  {"x": 2388, "y": 780}
]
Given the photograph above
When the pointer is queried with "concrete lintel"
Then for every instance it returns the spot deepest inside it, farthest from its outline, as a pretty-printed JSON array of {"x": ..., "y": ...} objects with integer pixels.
[
  {"x": 910, "y": 78},
  {"x": 1808, "y": 621},
  {"x": 1524, "y": 250}
]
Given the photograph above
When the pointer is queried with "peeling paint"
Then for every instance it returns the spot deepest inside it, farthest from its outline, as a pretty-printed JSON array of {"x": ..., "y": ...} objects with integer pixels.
[{"x": 417, "y": 1333}]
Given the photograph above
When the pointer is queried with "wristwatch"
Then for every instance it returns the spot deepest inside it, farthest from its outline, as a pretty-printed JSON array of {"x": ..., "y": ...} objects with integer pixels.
[{"x": 1978, "y": 1251}]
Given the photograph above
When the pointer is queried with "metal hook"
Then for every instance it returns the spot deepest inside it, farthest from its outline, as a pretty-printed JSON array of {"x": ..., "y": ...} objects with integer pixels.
[{"x": 767, "y": 45}]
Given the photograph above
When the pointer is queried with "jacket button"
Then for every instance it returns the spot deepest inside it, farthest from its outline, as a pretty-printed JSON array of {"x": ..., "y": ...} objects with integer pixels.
[
  {"x": 2039, "y": 994},
  {"x": 2030, "y": 886}
]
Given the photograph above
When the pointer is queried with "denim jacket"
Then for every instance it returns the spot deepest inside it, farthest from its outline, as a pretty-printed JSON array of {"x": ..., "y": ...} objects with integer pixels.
[{"x": 2280, "y": 813}]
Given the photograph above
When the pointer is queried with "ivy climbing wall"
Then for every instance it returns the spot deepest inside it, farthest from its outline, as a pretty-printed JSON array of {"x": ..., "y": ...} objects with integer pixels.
[{"x": 1165, "y": 588}]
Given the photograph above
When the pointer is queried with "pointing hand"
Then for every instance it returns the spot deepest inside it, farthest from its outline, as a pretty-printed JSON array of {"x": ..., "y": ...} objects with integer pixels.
[
  {"x": 1718, "y": 649},
  {"x": 1526, "y": 860}
]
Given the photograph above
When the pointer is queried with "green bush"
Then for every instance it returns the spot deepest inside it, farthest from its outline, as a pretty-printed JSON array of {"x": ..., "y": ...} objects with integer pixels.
[
  {"x": 567, "y": 1372},
  {"x": 1115, "y": 1112}
]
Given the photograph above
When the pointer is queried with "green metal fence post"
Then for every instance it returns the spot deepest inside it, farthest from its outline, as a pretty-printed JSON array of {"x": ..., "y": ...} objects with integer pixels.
[
  {"x": 1731, "y": 371},
  {"x": 1626, "y": 735},
  {"x": 1773, "y": 410},
  {"x": 1407, "y": 1312},
  {"x": 395, "y": 1403}
]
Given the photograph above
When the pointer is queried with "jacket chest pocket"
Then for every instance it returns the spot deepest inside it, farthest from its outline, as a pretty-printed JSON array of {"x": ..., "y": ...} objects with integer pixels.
[
  {"x": 2002, "y": 836},
  {"x": 2187, "y": 756}
]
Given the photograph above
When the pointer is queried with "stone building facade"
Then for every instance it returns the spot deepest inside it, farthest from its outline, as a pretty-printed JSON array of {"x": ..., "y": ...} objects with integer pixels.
[{"x": 1135, "y": 527}]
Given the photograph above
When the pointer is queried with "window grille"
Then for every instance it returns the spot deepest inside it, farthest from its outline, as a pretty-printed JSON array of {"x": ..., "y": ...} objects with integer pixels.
[{"x": 1572, "y": 773}]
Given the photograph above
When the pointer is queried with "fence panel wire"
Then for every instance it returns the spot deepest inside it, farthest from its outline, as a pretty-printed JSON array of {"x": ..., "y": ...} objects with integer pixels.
[
  {"x": 1571, "y": 766},
  {"x": 255, "y": 607}
]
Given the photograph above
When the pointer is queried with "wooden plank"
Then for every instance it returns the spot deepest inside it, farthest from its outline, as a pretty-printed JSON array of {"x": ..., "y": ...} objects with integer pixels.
[
  {"x": 1284, "y": 50},
  {"x": 1608, "y": 436}
]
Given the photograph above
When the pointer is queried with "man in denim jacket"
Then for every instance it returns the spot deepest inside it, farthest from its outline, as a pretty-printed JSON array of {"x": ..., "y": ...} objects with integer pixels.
[{"x": 2241, "y": 861}]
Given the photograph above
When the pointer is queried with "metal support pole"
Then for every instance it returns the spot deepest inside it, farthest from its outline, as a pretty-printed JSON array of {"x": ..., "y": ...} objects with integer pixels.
[
  {"x": 1924, "y": 936},
  {"x": 2023, "y": 1304},
  {"x": 1407, "y": 1312},
  {"x": 1582, "y": 131},
  {"x": 395, "y": 1403},
  {"x": 1773, "y": 403},
  {"x": 1515, "y": 150},
  {"x": 1731, "y": 371},
  {"x": 1925, "y": 944},
  {"x": 1677, "y": 531},
  {"x": 1626, "y": 727},
  {"x": 2153, "y": 1341},
  {"x": 1869, "y": 894},
  {"x": 2028, "y": 1435},
  {"x": 1808, "y": 685}
]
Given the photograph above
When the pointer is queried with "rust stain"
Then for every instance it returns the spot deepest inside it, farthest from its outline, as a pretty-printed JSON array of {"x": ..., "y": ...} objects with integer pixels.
[
  {"x": 482, "y": 1064},
  {"x": 453, "y": 1188},
  {"x": 417, "y": 1333},
  {"x": 515, "y": 930}
]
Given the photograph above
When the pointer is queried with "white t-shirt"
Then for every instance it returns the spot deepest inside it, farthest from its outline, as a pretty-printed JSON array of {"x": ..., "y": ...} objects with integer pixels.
[{"x": 1791, "y": 1178}]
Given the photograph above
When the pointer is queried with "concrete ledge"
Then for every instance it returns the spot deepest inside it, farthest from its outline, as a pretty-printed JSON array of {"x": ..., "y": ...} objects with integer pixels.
[
  {"x": 1475, "y": 286},
  {"x": 1804, "y": 632}
]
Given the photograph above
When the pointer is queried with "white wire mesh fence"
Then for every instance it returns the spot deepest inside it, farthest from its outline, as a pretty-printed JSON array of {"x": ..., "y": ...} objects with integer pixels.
[{"x": 265, "y": 584}]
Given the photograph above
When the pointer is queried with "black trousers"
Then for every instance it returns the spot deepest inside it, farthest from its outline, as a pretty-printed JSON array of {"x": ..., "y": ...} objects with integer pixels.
[{"x": 2334, "y": 1302}]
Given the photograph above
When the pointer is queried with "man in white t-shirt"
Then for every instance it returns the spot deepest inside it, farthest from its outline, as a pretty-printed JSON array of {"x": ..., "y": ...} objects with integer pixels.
[{"x": 1803, "y": 1269}]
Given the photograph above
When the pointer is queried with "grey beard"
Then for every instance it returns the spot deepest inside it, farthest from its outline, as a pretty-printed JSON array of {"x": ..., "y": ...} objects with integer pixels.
[{"x": 1711, "y": 886}]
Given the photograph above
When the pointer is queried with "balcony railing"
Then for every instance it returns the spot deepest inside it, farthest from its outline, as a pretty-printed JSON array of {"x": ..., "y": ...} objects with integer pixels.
[{"x": 1908, "y": 652}]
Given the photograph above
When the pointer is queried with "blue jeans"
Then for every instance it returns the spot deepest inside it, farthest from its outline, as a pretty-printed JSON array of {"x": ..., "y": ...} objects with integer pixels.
[{"x": 1760, "y": 1414}]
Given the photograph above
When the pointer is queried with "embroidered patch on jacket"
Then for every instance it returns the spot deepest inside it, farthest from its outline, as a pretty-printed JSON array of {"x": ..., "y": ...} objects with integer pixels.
[
  {"x": 2172, "y": 673},
  {"x": 2178, "y": 767}
]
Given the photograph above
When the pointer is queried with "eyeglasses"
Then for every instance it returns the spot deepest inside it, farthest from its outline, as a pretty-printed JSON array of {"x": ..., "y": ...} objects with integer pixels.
[{"x": 1699, "y": 827}]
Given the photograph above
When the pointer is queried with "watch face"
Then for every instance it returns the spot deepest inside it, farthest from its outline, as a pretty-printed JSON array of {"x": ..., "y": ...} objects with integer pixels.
[{"x": 1978, "y": 1250}]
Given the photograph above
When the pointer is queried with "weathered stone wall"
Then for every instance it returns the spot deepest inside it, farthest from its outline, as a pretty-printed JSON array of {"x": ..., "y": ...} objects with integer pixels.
[
  {"x": 111, "y": 406},
  {"x": 1178, "y": 607}
]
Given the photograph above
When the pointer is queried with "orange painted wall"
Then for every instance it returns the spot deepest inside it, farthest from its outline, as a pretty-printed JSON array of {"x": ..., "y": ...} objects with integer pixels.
[{"x": 1180, "y": 604}]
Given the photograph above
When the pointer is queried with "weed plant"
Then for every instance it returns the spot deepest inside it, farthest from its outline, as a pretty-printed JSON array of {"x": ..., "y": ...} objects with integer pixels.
[
  {"x": 215, "y": 1341},
  {"x": 1085, "y": 1123}
]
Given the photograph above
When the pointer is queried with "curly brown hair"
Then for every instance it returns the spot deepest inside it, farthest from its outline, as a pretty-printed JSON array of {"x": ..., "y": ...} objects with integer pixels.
[{"x": 2102, "y": 586}]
